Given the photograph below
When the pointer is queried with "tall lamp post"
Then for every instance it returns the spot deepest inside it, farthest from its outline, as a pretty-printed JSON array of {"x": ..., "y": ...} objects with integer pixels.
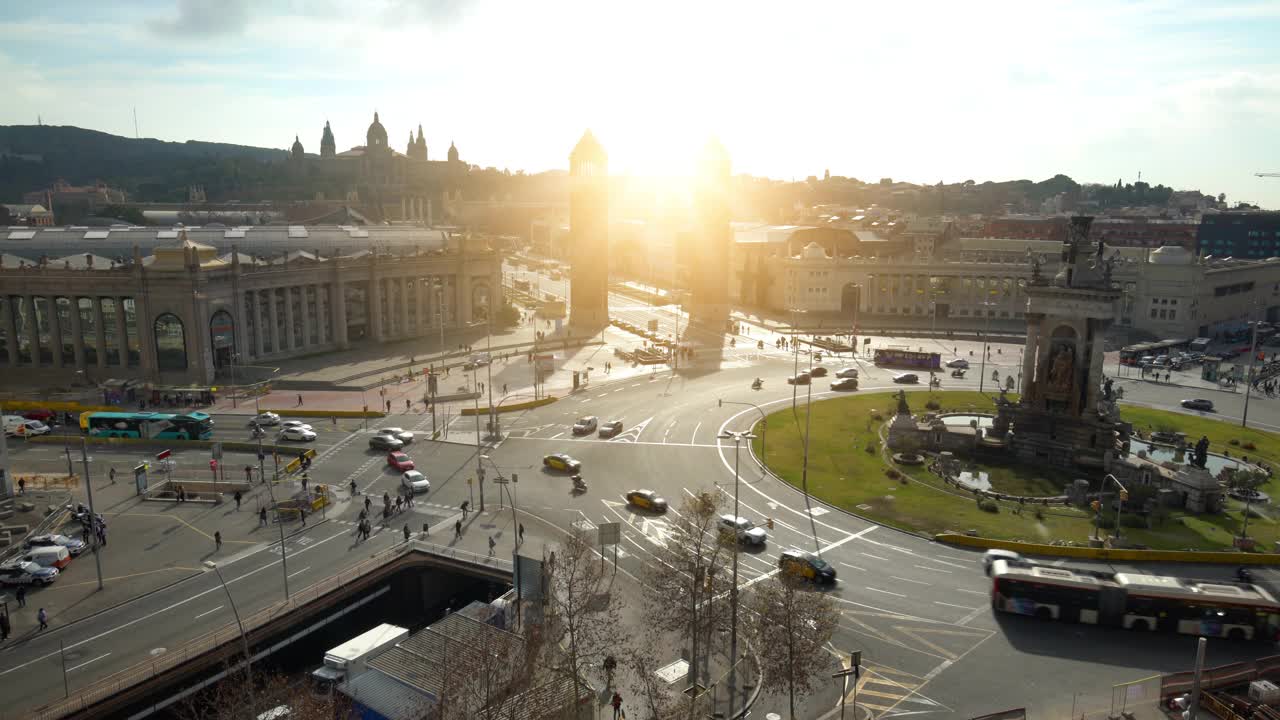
[
  {"x": 244, "y": 639},
  {"x": 1120, "y": 499},
  {"x": 982, "y": 372},
  {"x": 764, "y": 422},
  {"x": 737, "y": 436},
  {"x": 1248, "y": 380}
]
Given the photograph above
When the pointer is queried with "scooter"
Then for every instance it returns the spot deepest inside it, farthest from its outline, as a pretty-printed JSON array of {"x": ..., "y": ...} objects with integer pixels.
[
  {"x": 579, "y": 485},
  {"x": 1244, "y": 575},
  {"x": 757, "y": 384},
  {"x": 935, "y": 382},
  {"x": 257, "y": 432},
  {"x": 957, "y": 373}
]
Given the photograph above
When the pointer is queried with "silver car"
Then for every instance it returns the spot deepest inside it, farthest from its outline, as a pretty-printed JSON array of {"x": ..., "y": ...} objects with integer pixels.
[
  {"x": 404, "y": 436},
  {"x": 744, "y": 530}
]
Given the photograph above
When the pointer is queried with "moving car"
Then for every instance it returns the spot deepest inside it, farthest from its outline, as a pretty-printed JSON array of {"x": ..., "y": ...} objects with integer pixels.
[
  {"x": 415, "y": 482},
  {"x": 294, "y": 424},
  {"x": 19, "y": 572},
  {"x": 959, "y": 363},
  {"x": 848, "y": 373},
  {"x": 845, "y": 384},
  {"x": 560, "y": 461},
  {"x": 478, "y": 360},
  {"x": 21, "y": 427},
  {"x": 906, "y": 379},
  {"x": 300, "y": 434},
  {"x": 817, "y": 371},
  {"x": 404, "y": 436},
  {"x": 399, "y": 461},
  {"x": 802, "y": 379},
  {"x": 745, "y": 530},
  {"x": 993, "y": 555},
  {"x": 806, "y": 565},
  {"x": 266, "y": 418},
  {"x": 385, "y": 442},
  {"x": 1198, "y": 404},
  {"x": 585, "y": 425},
  {"x": 73, "y": 546},
  {"x": 611, "y": 428},
  {"x": 647, "y": 500}
]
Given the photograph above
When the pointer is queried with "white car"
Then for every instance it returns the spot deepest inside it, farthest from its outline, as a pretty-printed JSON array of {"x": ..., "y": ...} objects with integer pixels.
[
  {"x": 300, "y": 434},
  {"x": 745, "y": 530},
  {"x": 993, "y": 555},
  {"x": 266, "y": 418},
  {"x": 295, "y": 424},
  {"x": 404, "y": 436},
  {"x": 585, "y": 425},
  {"x": 24, "y": 572},
  {"x": 73, "y": 546},
  {"x": 415, "y": 482}
]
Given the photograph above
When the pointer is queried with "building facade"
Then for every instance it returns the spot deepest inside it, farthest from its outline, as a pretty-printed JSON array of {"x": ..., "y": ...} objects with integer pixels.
[
  {"x": 187, "y": 314},
  {"x": 589, "y": 234},
  {"x": 1251, "y": 235}
]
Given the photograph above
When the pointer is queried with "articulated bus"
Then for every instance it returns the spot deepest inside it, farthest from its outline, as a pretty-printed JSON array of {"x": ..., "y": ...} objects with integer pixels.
[
  {"x": 191, "y": 426},
  {"x": 895, "y": 357},
  {"x": 1236, "y": 611}
]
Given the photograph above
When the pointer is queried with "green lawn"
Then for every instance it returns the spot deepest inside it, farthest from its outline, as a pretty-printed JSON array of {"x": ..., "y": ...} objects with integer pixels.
[{"x": 842, "y": 473}]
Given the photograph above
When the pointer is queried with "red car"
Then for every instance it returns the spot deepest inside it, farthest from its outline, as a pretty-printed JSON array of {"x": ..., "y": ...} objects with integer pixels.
[{"x": 399, "y": 461}]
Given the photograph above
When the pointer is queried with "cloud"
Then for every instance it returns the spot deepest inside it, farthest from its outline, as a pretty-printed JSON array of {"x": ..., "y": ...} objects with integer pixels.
[
  {"x": 195, "y": 17},
  {"x": 437, "y": 13}
]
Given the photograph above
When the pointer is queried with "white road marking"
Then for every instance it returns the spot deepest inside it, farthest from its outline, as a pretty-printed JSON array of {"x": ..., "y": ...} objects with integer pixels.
[
  {"x": 694, "y": 438},
  {"x": 876, "y": 557},
  {"x": 886, "y": 592},
  {"x": 917, "y": 582},
  {"x": 972, "y": 592},
  {"x": 976, "y": 612},
  {"x": 553, "y": 437},
  {"x": 77, "y": 667},
  {"x": 296, "y": 572},
  {"x": 933, "y": 569},
  {"x": 209, "y": 611},
  {"x": 855, "y": 567},
  {"x": 953, "y": 557},
  {"x": 962, "y": 607}
]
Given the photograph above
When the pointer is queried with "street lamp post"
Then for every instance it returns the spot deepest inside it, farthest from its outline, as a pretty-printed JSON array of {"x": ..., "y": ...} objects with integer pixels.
[
  {"x": 1121, "y": 497},
  {"x": 284, "y": 557},
  {"x": 986, "y": 310},
  {"x": 1248, "y": 380},
  {"x": 764, "y": 423},
  {"x": 244, "y": 638},
  {"x": 737, "y": 436}
]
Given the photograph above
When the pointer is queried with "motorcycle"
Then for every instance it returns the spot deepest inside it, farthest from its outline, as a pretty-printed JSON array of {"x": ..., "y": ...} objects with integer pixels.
[
  {"x": 80, "y": 513},
  {"x": 579, "y": 485},
  {"x": 935, "y": 382},
  {"x": 257, "y": 432},
  {"x": 757, "y": 384},
  {"x": 1244, "y": 575},
  {"x": 957, "y": 373}
]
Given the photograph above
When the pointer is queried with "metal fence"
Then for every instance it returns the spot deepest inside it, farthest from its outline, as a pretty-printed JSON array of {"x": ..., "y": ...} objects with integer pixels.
[{"x": 129, "y": 677}]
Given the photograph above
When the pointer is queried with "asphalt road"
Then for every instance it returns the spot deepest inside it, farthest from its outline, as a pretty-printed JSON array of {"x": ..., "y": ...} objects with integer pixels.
[{"x": 918, "y": 611}]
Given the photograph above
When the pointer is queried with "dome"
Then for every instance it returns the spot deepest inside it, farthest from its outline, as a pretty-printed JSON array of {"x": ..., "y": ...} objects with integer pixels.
[
  {"x": 297, "y": 147},
  {"x": 814, "y": 251},
  {"x": 453, "y": 152},
  {"x": 1171, "y": 255},
  {"x": 377, "y": 135}
]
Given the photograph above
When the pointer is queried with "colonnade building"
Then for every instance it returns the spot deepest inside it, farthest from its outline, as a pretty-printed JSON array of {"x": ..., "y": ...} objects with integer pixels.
[{"x": 182, "y": 307}]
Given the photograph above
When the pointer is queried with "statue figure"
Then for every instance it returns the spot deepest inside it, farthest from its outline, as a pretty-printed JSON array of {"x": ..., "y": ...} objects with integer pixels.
[
  {"x": 1035, "y": 259},
  {"x": 1060, "y": 370},
  {"x": 903, "y": 409},
  {"x": 1106, "y": 388},
  {"x": 1119, "y": 393},
  {"x": 1201, "y": 455}
]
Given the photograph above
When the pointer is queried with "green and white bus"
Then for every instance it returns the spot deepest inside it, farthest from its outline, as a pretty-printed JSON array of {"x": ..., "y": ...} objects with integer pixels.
[{"x": 151, "y": 425}]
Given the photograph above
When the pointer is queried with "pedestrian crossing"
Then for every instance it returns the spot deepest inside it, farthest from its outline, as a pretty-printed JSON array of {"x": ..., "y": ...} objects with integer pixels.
[{"x": 884, "y": 690}]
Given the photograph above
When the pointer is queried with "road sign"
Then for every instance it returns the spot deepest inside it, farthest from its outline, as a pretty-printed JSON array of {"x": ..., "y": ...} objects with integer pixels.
[
  {"x": 163, "y": 454},
  {"x": 500, "y": 481},
  {"x": 213, "y": 465},
  {"x": 610, "y": 533},
  {"x": 515, "y": 477},
  {"x": 215, "y": 450}
]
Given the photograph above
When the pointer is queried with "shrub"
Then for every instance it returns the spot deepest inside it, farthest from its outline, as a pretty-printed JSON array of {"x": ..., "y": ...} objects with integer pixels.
[
  {"x": 1233, "y": 442},
  {"x": 870, "y": 448},
  {"x": 1249, "y": 446},
  {"x": 989, "y": 505},
  {"x": 877, "y": 416},
  {"x": 892, "y": 474},
  {"x": 933, "y": 405},
  {"x": 1040, "y": 514}
]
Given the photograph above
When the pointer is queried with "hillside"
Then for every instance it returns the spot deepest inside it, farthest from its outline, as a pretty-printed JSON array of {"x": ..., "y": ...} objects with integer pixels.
[{"x": 147, "y": 168}]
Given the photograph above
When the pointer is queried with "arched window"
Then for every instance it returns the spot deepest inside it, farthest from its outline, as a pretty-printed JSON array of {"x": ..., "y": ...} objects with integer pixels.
[
  {"x": 480, "y": 302},
  {"x": 222, "y": 337},
  {"x": 171, "y": 343}
]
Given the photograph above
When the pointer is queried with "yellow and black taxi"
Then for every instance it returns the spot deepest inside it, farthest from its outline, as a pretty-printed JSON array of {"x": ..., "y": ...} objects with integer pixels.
[
  {"x": 806, "y": 565},
  {"x": 647, "y": 500},
  {"x": 560, "y": 461}
]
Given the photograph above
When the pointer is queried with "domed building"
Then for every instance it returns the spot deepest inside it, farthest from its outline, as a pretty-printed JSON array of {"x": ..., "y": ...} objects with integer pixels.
[{"x": 383, "y": 184}]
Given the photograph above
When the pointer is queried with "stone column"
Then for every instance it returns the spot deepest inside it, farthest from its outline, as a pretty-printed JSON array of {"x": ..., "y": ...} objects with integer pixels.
[
  {"x": 33, "y": 329},
  {"x": 10, "y": 329},
  {"x": 338, "y": 314},
  {"x": 288, "y": 317},
  {"x": 122, "y": 334},
  {"x": 147, "y": 337},
  {"x": 273, "y": 325},
  {"x": 462, "y": 296},
  {"x": 374, "y": 299},
  {"x": 255, "y": 306},
  {"x": 55, "y": 330},
  {"x": 305, "y": 310},
  {"x": 77, "y": 332},
  {"x": 404, "y": 328},
  {"x": 423, "y": 290},
  {"x": 101, "y": 330},
  {"x": 1034, "y": 328},
  {"x": 404, "y": 208}
]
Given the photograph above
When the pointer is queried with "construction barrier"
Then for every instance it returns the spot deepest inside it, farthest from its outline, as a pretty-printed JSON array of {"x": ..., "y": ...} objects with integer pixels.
[
  {"x": 512, "y": 408},
  {"x": 163, "y": 443},
  {"x": 300, "y": 412},
  {"x": 58, "y": 405},
  {"x": 46, "y": 481},
  {"x": 1112, "y": 554}
]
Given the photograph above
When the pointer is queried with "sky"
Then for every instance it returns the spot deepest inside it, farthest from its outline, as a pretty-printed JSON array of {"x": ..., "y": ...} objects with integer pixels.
[{"x": 1185, "y": 93}]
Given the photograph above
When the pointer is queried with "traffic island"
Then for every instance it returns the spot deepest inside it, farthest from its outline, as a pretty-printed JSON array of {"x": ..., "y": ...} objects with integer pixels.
[{"x": 851, "y": 469}]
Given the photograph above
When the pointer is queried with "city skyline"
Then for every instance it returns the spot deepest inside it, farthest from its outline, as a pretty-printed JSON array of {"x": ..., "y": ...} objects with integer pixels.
[{"x": 1183, "y": 94}]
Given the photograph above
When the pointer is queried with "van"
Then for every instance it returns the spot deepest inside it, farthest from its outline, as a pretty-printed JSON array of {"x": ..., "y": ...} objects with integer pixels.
[
  {"x": 15, "y": 426},
  {"x": 55, "y": 556}
]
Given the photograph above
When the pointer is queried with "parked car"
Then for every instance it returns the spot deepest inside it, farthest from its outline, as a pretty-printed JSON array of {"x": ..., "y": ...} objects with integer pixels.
[
  {"x": 415, "y": 482},
  {"x": 585, "y": 425},
  {"x": 266, "y": 418},
  {"x": 299, "y": 434},
  {"x": 73, "y": 546},
  {"x": 1198, "y": 404},
  {"x": 19, "y": 572},
  {"x": 49, "y": 556},
  {"x": 404, "y": 436},
  {"x": 611, "y": 429},
  {"x": 906, "y": 379},
  {"x": 385, "y": 442}
]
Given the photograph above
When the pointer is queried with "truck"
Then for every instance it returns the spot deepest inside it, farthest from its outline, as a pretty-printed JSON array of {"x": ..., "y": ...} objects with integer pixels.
[{"x": 348, "y": 659}]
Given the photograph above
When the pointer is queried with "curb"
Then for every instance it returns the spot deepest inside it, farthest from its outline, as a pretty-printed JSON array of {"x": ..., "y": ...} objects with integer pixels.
[
  {"x": 122, "y": 603},
  {"x": 1203, "y": 557}
]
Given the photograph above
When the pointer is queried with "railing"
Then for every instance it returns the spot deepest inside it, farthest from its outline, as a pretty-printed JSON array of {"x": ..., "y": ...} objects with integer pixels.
[
  {"x": 131, "y": 676},
  {"x": 47, "y": 525}
]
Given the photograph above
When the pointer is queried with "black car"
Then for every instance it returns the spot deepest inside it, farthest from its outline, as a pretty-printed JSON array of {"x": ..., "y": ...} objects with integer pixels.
[
  {"x": 906, "y": 379},
  {"x": 610, "y": 429},
  {"x": 844, "y": 384},
  {"x": 806, "y": 565},
  {"x": 817, "y": 371}
]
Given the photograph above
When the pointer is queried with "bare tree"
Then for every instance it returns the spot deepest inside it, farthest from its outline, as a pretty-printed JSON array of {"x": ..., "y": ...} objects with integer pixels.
[
  {"x": 584, "y": 613},
  {"x": 227, "y": 699},
  {"x": 686, "y": 588},
  {"x": 653, "y": 700},
  {"x": 789, "y": 625}
]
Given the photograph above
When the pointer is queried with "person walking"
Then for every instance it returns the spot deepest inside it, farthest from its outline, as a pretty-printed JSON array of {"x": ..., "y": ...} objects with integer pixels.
[
  {"x": 457, "y": 530},
  {"x": 21, "y": 596},
  {"x": 504, "y": 388},
  {"x": 102, "y": 535},
  {"x": 492, "y": 544},
  {"x": 388, "y": 406},
  {"x": 22, "y": 486},
  {"x": 616, "y": 703},
  {"x": 305, "y": 479},
  {"x": 406, "y": 404},
  {"x": 353, "y": 488},
  {"x": 217, "y": 540},
  {"x": 406, "y": 532},
  {"x": 238, "y": 497},
  {"x": 299, "y": 399},
  {"x": 262, "y": 516},
  {"x": 367, "y": 503},
  {"x": 248, "y": 474},
  {"x": 466, "y": 508},
  {"x": 112, "y": 474},
  {"x": 521, "y": 533},
  {"x": 4, "y": 627},
  {"x": 43, "y": 617}
]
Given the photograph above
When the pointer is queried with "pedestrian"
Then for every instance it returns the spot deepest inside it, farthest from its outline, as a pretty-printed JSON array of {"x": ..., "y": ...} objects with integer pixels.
[
  {"x": 466, "y": 507},
  {"x": 238, "y": 498},
  {"x": 262, "y": 516},
  {"x": 353, "y": 488},
  {"x": 217, "y": 539},
  {"x": 21, "y": 595},
  {"x": 302, "y": 512},
  {"x": 43, "y": 617},
  {"x": 248, "y": 473},
  {"x": 492, "y": 544},
  {"x": 406, "y": 404},
  {"x": 616, "y": 702},
  {"x": 112, "y": 474},
  {"x": 367, "y": 503},
  {"x": 521, "y": 532},
  {"x": 399, "y": 499},
  {"x": 406, "y": 532},
  {"x": 22, "y": 486},
  {"x": 334, "y": 420},
  {"x": 425, "y": 530},
  {"x": 4, "y": 627},
  {"x": 305, "y": 479},
  {"x": 102, "y": 535},
  {"x": 504, "y": 388},
  {"x": 388, "y": 406},
  {"x": 84, "y": 532},
  {"x": 457, "y": 530}
]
